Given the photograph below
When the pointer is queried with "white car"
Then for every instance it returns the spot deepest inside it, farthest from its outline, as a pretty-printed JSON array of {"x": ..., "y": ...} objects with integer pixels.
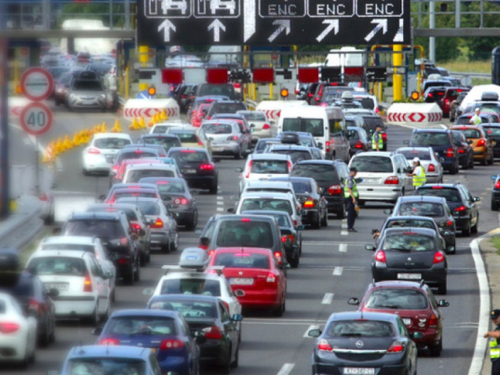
[
  {"x": 216, "y": 5},
  {"x": 17, "y": 332},
  {"x": 101, "y": 151},
  {"x": 270, "y": 187},
  {"x": 135, "y": 172},
  {"x": 83, "y": 287},
  {"x": 82, "y": 243},
  {"x": 259, "y": 125},
  {"x": 162, "y": 127},
  {"x": 261, "y": 167}
]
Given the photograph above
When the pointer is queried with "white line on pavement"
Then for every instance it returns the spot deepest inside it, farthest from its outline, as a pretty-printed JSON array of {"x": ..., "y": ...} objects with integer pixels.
[
  {"x": 220, "y": 197},
  {"x": 220, "y": 203},
  {"x": 327, "y": 299},
  {"x": 499, "y": 217},
  {"x": 286, "y": 369},
  {"x": 344, "y": 224},
  {"x": 337, "y": 271},
  {"x": 220, "y": 209},
  {"x": 344, "y": 232},
  {"x": 312, "y": 326},
  {"x": 343, "y": 247}
]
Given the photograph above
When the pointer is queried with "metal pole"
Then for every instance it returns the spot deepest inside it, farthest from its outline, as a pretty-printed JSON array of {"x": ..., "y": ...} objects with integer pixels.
[
  {"x": 4, "y": 118},
  {"x": 432, "y": 25},
  {"x": 110, "y": 14},
  {"x": 457, "y": 14},
  {"x": 481, "y": 5},
  {"x": 37, "y": 168},
  {"x": 127, "y": 14}
]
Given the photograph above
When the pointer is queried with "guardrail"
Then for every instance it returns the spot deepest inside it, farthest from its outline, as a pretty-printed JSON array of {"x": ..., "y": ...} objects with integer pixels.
[{"x": 466, "y": 78}]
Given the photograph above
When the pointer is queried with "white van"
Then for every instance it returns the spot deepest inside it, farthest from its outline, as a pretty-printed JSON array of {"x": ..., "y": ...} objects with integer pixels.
[
  {"x": 272, "y": 108},
  {"x": 326, "y": 124}
]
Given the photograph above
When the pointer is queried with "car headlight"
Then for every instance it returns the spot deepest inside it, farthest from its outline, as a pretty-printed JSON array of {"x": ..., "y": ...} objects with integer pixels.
[
  {"x": 72, "y": 96},
  {"x": 102, "y": 96}
]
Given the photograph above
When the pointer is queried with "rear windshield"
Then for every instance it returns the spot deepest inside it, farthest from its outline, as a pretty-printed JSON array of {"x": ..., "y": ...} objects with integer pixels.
[
  {"x": 188, "y": 309},
  {"x": 136, "y": 175},
  {"x": 106, "y": 365},
  {"x": 415, "y": 223},
  {"x": 141, "y": 325},
  {"x": 352, "y": 134},
  {"x": 267, "y": 204},
  {"x": 360, "y": 328},
  {"x": 242, "y": 260},
  {"x": 314, "y": 126},
  {"x": 136, "y": 155},
  {"x": 366, "y": 103},
  {"x": 146, "y": 207},
  {"x": 99, "y": 228},
  {"x": 430, "y": 139},
  {"x": 21, "y": 289},
  {"x": 451, "y": 195},
  {"x": 295, "y": 155},
  {"x": 493, "y": 131},
  {"x": 254, "y": 116},
  {"x": 134, "y": 194},
  {"x": 159, "y": 129},
  {"x": 302, "y": 187},
  {"x": 245, "y": 233},
  {"x": 188, "y": 156},
  {"x": 410, "y": 241},
  {"x": 374, "y": 164},
  {"x": 187, "y": 137},
  {"x": 318, "y": 172},
  {"x": 261, "y": 145},
  {"x": 170, "y": 187},
  {"x": 217, "y": 128},
  {"x": 166, "y": 143},
  {"x": 58, "y": 266},
  {"x": 111, "y": 143},
  {"x": 421, "y": 209},
  {"x": 402, "y": 299},
  {"x": 3, "y": 307},
  {"x": 372, "y": 122},
  {"x": 269, "y": 166},
  {"x": 470, "y": 133},
  {"x": 191, "y": 286},
  {"x": 225, "y": 90},
  {"x": 464, "y": 120},
  {"x": 131, "y": 216},
  {"x": 410, "y": 154},
  {"x": 226, "y": 107},
  {"x": 63, "y": 246},
  {"x": 87, "y": 85}
]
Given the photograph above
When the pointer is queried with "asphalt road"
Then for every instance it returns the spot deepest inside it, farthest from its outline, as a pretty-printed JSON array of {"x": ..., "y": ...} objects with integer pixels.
[{"x": 334, "y": 267}]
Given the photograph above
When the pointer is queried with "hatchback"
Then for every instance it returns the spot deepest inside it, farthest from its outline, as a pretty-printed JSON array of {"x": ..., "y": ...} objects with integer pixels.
[
  {"x": 493, "y": 132},
  {"x": 263, "y": 167},
  {"x": 442, "y": 143},
  {"x": 259, "y": 125},
  {"x": 225, "y": 106},
  {"x": 358, "y": 140},
  {"x": 100, "y": 154},
  {"x": 464, "y": 149},
  {"x": 135, "y": 172},
  {"x": 480, "y": 143},
  {"x": 428, "y": 159},
  {"x": 226, "y": 137},
  {"x": 167, "y": 141},
  {"x": 138, "y": 153}
]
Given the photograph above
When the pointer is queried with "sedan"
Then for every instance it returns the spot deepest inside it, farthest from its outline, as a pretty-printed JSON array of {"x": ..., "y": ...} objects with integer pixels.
[
  {"x": 226, "y": 138},
  {"x": 465, "y": 151},
  {"x": 259, "y": 125},
  {"x": 364, "y": 343},
  {"x": 428, "y": 159},
  {"x": 410, "y": 254},
  {"x": 102, "y": 150},
  {"x": 221, "y": 338}
]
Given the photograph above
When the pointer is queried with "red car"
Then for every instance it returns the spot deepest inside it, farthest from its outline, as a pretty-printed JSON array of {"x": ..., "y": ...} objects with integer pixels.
[
  {"x": 254, "y": 277},
  {"x": 414, "y": 303},
  {"x": 199, "y": 113}
]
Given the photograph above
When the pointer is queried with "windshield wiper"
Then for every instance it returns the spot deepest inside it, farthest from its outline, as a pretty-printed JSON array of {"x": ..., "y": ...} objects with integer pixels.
[
  {"x": 351, "y": 334},
  {"x": 398, "y": 249},
  {"x": 390, "y": 306}
]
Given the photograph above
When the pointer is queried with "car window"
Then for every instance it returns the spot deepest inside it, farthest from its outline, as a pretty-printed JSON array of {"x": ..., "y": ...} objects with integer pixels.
[
  {"x": 416, "y": 223},
  {"x": 492, "y": 131},
  {"x": 254, "y": 116},
  {"x": 410, "y": 154},
  {"x": 421, "y": 209},
  {"x": 139, "y": 154},
  {"x": 86, "y": 85},
  {"x": 187, "y": 137},
  {"x": 352, "y": 134},
  {"x": 166, "y": 187},
  {"x": 408, "y": 241},
  {"x": 398, "y": 298},
  {"x": 58, "y": 266},
  {"x": 403, "y": 331},
  {"x": 269, "y": 166},
  {"x": 295, "y": 155},
  {"x": 319, "y": 172},
  {"x": 107, "y": 365},
  {"x": 135, "y": 175},
  {"x": 188, "y": 309},
  {"x": 207, "y": 287},
  {"x": 360, "y": 328},
  {"x": 471, "y": 133},
  {"x": 224, "y": 314},
  {"x": 166, "y": 143},
  {"x": 23, "y": 288},
  {"x": 189, "y": 156},
  {"x": 96, "y": 268},
  {"x": 266, "y": 204},
  {"x": 451, "y": 194},
  {"x": 130, "y": 213},
  {"x": 111, "y": 143},
  {"x": 430, "y": 139},
  {"x": 245, "y": 232},
  {"x": 99, "y": 228},
  {"x": 140, "y": 325},
  {"x": 242, "y": 260},
  {"x": 314, "y": 126},
  {"x": 217, "y": 128},
  {"x": 373, "y": 164}
]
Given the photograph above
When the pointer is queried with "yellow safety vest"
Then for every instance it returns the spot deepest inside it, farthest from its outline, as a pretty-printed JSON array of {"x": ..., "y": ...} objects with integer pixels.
[
  {"x": 419, "y": 180},
  {"x": 494, "y": 349},
  {"x": 380, "y": 142},
  {"x": 354, "y": 189}
]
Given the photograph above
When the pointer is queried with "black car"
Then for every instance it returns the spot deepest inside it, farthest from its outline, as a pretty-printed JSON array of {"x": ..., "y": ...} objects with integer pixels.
[
  {"x": 455, "y": 106},
  {"x": 197, "y": 167},
  {"x": 226, "y": 106},
  {"x": 114, "y": 232},
  {"x": 441, "y": 141},
  {"x": 493, "y": 132},
  {"x": 330, "y": 175},
  {"x": 184, "y": 96},
  {"x": 175, "y": 193},
  {"x": 495, "y": 193},
  {"x": 167, "y": 141},
  {"x": 217, "y": 89},
  {"x": 309, "y": 195},
  {"x": 410, "y": 254},
  {"x": 262, "y": 144},
  {"x": 291, "y": 237},
  {"x": 460, "y": 201},
  {"x": 358, "y": 140},
  {"x": 364, "y": 343},
  {"x": 207, "y": 314},
  {"x": 434, "y": 94},
  {"x": 464, "y": 150}
]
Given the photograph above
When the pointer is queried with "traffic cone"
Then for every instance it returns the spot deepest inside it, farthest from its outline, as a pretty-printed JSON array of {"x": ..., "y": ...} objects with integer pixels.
[
  {"x": 59, "y": 146},
  {"x": 163, "y": 115},
  {"x": 67, "y": 143},
  {"x": 142, "y": 123},
  {"x": 117, "y": 128},
  {"x": 104, "y": 127}
]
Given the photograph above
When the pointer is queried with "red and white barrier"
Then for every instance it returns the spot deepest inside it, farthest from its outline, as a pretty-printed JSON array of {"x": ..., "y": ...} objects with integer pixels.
[
  {"x": 16, "y": 105},
  {"x": 147, "y": 108},
  {"x": 272, "y": 108},
  {"x": 415, "y": 114}
]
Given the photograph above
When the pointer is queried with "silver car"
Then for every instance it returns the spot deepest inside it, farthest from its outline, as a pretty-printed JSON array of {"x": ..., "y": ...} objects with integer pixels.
[
  {"x": 428, "y": 159},
  {"x": 226, "y": 138},
  {"x": 86, "y": 92},
  {"x": 259, "y": 125}
]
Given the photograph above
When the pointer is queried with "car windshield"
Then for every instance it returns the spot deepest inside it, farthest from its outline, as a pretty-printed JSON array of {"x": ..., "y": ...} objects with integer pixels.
[
  {"x": 269, "y": 204},
  {"x": 309, "y": 125},
  {"x": 146, "y": 207},
  {"x": 410, "y": 154},
  {"x": 373, "y": 121},
  {"x": 217, "y": 128},
  {"x": 191, "y": 286},
  {"x": 136, "y": 174},
  {"x": 134, "y": 194},
  {"x": 58, "y": 266},
  {"x": 242, "y": 260},
  {"x": 189, "y": 156},
  {"x": 3, "y": 307},
  {"x": 269, "y": 166},
  {"x": 402, "y": 299},
  {"x": 186, "y": 137},
  {"x": 373, "y": 164},
  {"x": 450, "y": 194},
  {"x": 408, "y": 241},
  {"x": 226, "y": 90},
  {"x": 295, "y": 155},
  {"x": 140, "y": 325},
  {"x": 470, "y": 133},
  {"x": 430, "y": 139},
  {"x": 71, "y": 246},
  {"x": 361, "y": 328},
  {"x": 222, "y": 107},
  {"x": 87, "y": 85},
  {"x": 245, "y": 233},
  {"x": 366, "y": 102},
  {"x": 111, "y": 143},
  {"x": 319, "y": 172},
  {"x": 493, "y": 131},
  {"x": 421, "y": 209},
  {"x": 166, "y": 143},
  {"x": 188, "y": 309},
  {"x": 135, "y": 155},
  {"x": 254, "y": 116},
  {"x": 131, "y": 216},
  {"x": 170, "y": 187},
  {"x": 106, "y": 366},
  {"x": 94, "y": 227},
  {"x": 416, "y": 223}
]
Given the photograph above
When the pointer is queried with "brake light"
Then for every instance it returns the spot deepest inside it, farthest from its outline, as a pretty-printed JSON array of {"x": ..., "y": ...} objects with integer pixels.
[
  {"x": 309, "y": 203},
  {"x": 437, "y": 187},
  {"x": 171, "y": 344},
  {"x": 380, "y": 256},
  {"x": 433, "y": 321},
  {"x": 481, "y": 142},
  {"x": 210, "y": 253},
  {"x": 34, "y": 306},
  {"x": 212, "y": 332},
  {"x": 248, "y": 169},
  {"x": 449, "y": 223},
  {"x": 271, "y": 278},
  {"x": 181, "y": 201},
  {"x": 324, "y": 346},
  {"x": 277, "y": 255},
  {"x": 384, "y": 137},
  {"x": 187, "y": 151},
  {"x": 460, "y": 209},
  {"x": 377, "y": 110},
  {"x": 438, "y": 257},
  {"x": 138, "y": 151},
  {"x": 461, "y": 151},
  {"x": 335, "y": 190},
  {"x": 124, "y": 261},
  {"x": 358, "y": 144},
  {"x": 206, "y": 167},
  {"x": 157, "y": 224},
  {"x": 107, "y": 341},
  {"x": 396, "y": 347},
  {"x": 266, "y": 126},
  {"x": 497, "y": 185},
  {"x": 245, "y": 220},
  {"x": 135, "y": 226},
  {"x": 87, "y": 284},
  {"x": 431, "y": 168},
  {"x": 93, "y": 150},
  {"x": 287, "y": 236},
  {"x": 449, "y": 153},
  {"x": 391, "y": 180},
  {"x": 232, "y": 138},
  {"x": 200, "y": 143},
  {"x": 289, "y": 166},
  {"x": 9, "y": 327},
  {"x": 327, "y": 146}
]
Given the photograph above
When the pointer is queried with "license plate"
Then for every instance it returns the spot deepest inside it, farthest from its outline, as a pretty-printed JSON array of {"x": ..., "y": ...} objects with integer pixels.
[
  {"x": 359, "y": 370},
  {"x": 59, "y": 287},
  {"x": 240, "y": 281},
  {"x": 370, "y": 180},
  {"x": 189, "y": 171},
  {"x": 410, "y": 276},
  {"x": 217, "y": 148},
  {"x": 110, "y": 158},
  {"x": 407, "y": 321}
]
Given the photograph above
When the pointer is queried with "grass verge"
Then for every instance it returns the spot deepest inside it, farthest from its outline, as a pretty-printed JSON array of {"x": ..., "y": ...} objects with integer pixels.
[{"x": 495, "y": 241}]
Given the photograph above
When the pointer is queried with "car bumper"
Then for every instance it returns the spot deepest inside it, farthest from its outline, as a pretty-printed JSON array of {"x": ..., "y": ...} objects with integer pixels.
[
  {"x": 479, "y": 153},
  {"x": 96, "y": 163},
  {"x": 329, "y": 363},
  {"x": 433, "y": 178},
  {"x": 258, "y": 299},
  {"x": 159, "y": 239},
  {"x": 495, "y": 196},
  {"x": 447, "y": 163},
  {"x": 310, "y": 216},
  {"x": 203, "y": 182},
  {"x": 212, "y": 351},
  {"x": 431, "y": 276},
  {"x": 258, "y": 134},
  {"x": 66, "y": 306},
  {"x": 176, "y": 364},
  {"x": 94, "y": 103},
  {"x": 431, "y": 336},
  {"x": 13, "y": 347},
  {"x": 462, "y": 222},
  {"x": 335, "y": 203},
  {"x": 183, "y": 217},
  {"x": 225, "y": 149},
  {"x": 379, "y": 193}
]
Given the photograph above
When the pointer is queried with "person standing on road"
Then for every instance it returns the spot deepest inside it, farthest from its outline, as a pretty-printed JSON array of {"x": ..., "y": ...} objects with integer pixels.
[
  {"x": 351, "y": 196},
  {"x": 494, "y": 342},
  {"x": 418, "y": 174},
  {"x": 377, "y": 140},
  {"x": 476, "y": 119}
]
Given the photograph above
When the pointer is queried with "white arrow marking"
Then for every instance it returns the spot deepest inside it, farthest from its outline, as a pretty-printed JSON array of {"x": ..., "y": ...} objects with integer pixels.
[
  {"x": 248, "y": 19},
  {"x": 382, "y": 24},
  {"x": 333, "y": 24},
  {"x": 166, "y": 26},
  {"x": 400, "y": 33},
  {"x": 283, "y": 25},
  {"x": 217, "y": 26}
]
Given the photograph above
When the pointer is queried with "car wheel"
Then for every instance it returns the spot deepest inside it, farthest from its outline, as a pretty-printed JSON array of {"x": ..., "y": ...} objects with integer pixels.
[
  {"x": 85, "y": 172},
  {"x": 49, "y": 220},
  {"x": 361, "y": 203},
  {"x": 165, "y": 248},
  {"x": 466, "y": 232},
  {"x": 235, "y": 363},
  {"x": 471, "y": 165},
  {"x": 44, "y": 338},
  {"x": 105, "y": 315},
  {"x": 435, "y": 350},
  {"x": 237, "y": 156},
  {"x": 324, "y": 222},
  {"x": 148, "y": 255},
  {"x": 225, "y": 366},
  {"x": 483, "y": 161},
  {"x": 137, "y": 273},
  {"x": 194, "y": 222},
  {"x": 494, "y": 205},
  {"x": 94, "y": 317},
  {"x": 129, "y": 279},
  {"x": 465, "y": 165},
  {"x": 213, "y": 189},
  {"x": 453, "y": 170},
  {"x": 143, "y": 259},
  {"x": 317, "y": 222},
  {"x": 281, "y": 309},
  {"x": 442, "y": 288},
  {"x": 475, "y": 228},
  {"x": 341, "y": 214},
  {"x": 112, "y": 297},
  {"x": 490, "y": 162}
]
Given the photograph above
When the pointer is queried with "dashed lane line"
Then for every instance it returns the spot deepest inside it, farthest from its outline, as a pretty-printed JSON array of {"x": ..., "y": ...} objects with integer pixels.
[
  {"x": 286, "y": 369},
  {"x": 343, "y": 248},
  {"x": 337, "y": 271},
  {"x": 327, "y": 299}
]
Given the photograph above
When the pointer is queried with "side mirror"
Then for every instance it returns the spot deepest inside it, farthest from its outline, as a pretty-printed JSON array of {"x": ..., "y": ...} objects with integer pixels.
[
  {"x": 53, "y": 293},
  {"x": 230, "y": 210},
  {"x": 441, "y": 160},
  {"x": 353, "y": 301},
  {"x": 314, "y": 333},
  {"x": 204, "y": 241},
  {"x": 303, "y": 212},
  {"x": 443, "y": 303},
  {"x": 417, "y": 335},
  {"x": 320, "y": 145},
  {"x": 272, "y": 123},
  {"x": 300, "y": 227},
  {"x": 97, "y": 331},
  {"x": 101, "y": 198},
  {"x": 477, "y": 199},
  {"x": 240, "y": 170},
  {"x": 470, "y": 141},
  {"x": 148, "y": 291},
  {"x": 141, "y": 232},
  {"x": 494, "y": 178},
  {"x": 370, "y": 247},
  {"x": 406, "y": 142},
  {"x": 388, "y": 211},
  {"x": 237, "y": 318},
  {"x": 252, "y": 125}
]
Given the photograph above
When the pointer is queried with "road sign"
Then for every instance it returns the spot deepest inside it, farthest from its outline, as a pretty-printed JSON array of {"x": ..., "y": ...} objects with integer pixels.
[
  {"x": 273, "y": 22},
  {"x": 37, "y": 84},
  {"x": 36, "y": 118}
]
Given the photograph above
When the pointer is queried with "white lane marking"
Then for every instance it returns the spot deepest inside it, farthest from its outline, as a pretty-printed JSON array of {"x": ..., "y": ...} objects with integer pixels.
[
  {"x": 484, "y": 306},
  {"x": 337, "y": 271},
  {"x": 220, "y": 209},
  {"x": 220, "y": 197},
  {"x": 312, "y": 326},
  {"x": 220, "y": 203},
  {"x": 286, "y": 369},
  {"x": 344, "y": 224},
  {"x": 343, "y": 248},
  {"x": 327, "y": 299},
  {"x": 443, "y": 126},
  {"x": 344, "y": 232}
]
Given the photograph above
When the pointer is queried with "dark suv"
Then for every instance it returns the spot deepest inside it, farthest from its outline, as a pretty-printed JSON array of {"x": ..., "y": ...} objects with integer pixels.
[
  {"x": 460, "y": 201},
  {"x": 225, "y": 106},
  {"x": 115, "y": 233},
  {"x": 330, "y": 175},
  {"x": 209, "y": 89},
  {"x": 441, "y": 141}
]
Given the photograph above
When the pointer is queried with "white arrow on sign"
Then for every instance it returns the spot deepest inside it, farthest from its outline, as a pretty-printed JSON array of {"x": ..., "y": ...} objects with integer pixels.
[
  {"x": 333, "y": 24},
  {"x": 248, "y": 19},
  {"x": 283, "y": 25},
  {"x": 400, "y": 33},
  {"x": 382, "y": 24},
  {"x": 166, "y": 26},
  {"x": 217, "y": 26}
]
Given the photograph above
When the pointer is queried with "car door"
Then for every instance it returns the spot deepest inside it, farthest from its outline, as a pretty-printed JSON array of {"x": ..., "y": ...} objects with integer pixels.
[
  {"x": 469, "y": 200},
  {"x": 101, "y": 284},
  {"x": 107, "y": 265},
  {"x": 230, "y": 328},
  {"x": 401, "y": 165}
]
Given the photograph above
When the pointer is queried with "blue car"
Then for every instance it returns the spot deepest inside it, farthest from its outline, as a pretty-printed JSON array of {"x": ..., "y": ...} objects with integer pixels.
[
  {"x": 166, "y": 333},
  {"x": 98, "y": 359}
]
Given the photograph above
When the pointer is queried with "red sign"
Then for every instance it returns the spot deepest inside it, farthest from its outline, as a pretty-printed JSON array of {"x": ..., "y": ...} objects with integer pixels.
[
  {"x": 217, "y": 76},
  {"x": 308, "y": 75},
  {"x": 172, "y": 76},
  {"x": 37, "y": 84},
  {"x": 36, "y": 118},
  {"x": 263, "y": 75}
]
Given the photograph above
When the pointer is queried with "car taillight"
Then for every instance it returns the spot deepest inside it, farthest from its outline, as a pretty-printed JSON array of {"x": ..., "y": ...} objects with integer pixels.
[
  {"x": 271, "y": 278},
  {"x": 93, "y": 150},
  {"x": 232, "y": 138},
  {"x": 44, "y": 197},
  {"x": 212, "y": 332},
  {"x": 157, "y": 224},
  {"x": 481, "y": 142},
  {"x": 124, "y": 260},
  {"x": 461, "y": 150},
  {"x": 210, "y": 253},
  {"x": 438, "y": 257},
  {"x": 6, "y": 327},
  {"x": 384, "y": 137},
  {"x": 107, "y": 341},
  {"x": 449, "y": 223},
  {"x": 309, "y": 203},
  {"x": 497, "y": 185},
  {"x": 358, "y": 144},
  {"x": 309, "y": 95},
  {"x": 181, "y": 201},
  {"x": 460, "y": 209},
  {"x": 277, "y": 255},
  {"x": 431, "y": 168},
  {"x": 87, "y": 284},
  {"x": 289, "y": 166},
  {"x": 135, "y": 226},
  {"x": 327, "y": 146},
  {"x": 449, "y": 153},
  {"x": 380, "y": 256},
  {"x": 324, "y": 346},
  {"x": 287, "y": 236},
  {"x": 433, "y": 321},
  {"x": 206, "y": 167},
  {"x": 171, "y": 344},
  {"x": 266, "y": 126},
  {"x": 335, "y": 190},
  {"x": 377, "y": 110},
  {"x": 396, "y": 347},
  {"x": 248, "y": 169},
  {"x": 200, "y": 143},
  {"x": 391, "y": 180},
  {"x": 34, "y": 305}
]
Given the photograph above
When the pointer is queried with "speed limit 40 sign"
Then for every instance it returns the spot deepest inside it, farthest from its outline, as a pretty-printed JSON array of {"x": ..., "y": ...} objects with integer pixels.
[{"x": 36, "y": 118}]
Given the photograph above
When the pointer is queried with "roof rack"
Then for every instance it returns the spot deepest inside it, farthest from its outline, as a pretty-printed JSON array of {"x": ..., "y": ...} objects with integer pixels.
[{"x": 217, "y": 269}]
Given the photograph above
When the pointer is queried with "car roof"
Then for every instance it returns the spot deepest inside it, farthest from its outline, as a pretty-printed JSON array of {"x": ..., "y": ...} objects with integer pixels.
[
  {"x": 193, "y": 149},
  {"x": 268, "y": 183},
  {"x": 111, "y": 135},
  {"x": 157, "y": 135},
  {"x": 191, "y": 274},
  {"x": 78, "y": 240},
  {"x": 397, "y": 284},
  {"x": 259, "y": 250},
  {"x": 151, "y": 166},
  {"x": 139, "y": 199},
  {"x": 292, "y": 179},
  {"x": 447, "y": 186},
  {"x": 251, "y": 217},
  {"x": 352, "y": 315},
  {"x": 169, "y": 179},
  {"x": 375, "y": 153},
  {"x": 409, "y": 217},
  {"x": 135, "y": 185},
  {"x": 289, "y": 147},
  {"x": 96, "y": 215},
  {"x": 430, "y": 130},
  {"x": 417, "y": 230},
  {"x": 223, "y": 121},
  {"x": 268, "y": 156},
  {"x": 266, "y": 213},
  {"x": 112, "y": 351},
  {"x": 266, "y": 194},
  {"x": 186, "y": 297},
  {"x": 80, "y": 254},
  {"x": 429, "y": 149},
  {"x": 421, "y": 198},
  {"x": 116, "y": 206},
  {"x": 144, "y": 312},
  {"x": 317, "y": 161}
]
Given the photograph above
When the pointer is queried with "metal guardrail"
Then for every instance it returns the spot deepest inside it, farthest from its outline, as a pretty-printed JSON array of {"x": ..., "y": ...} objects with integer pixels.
[{"x": 471, "y": 74}]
